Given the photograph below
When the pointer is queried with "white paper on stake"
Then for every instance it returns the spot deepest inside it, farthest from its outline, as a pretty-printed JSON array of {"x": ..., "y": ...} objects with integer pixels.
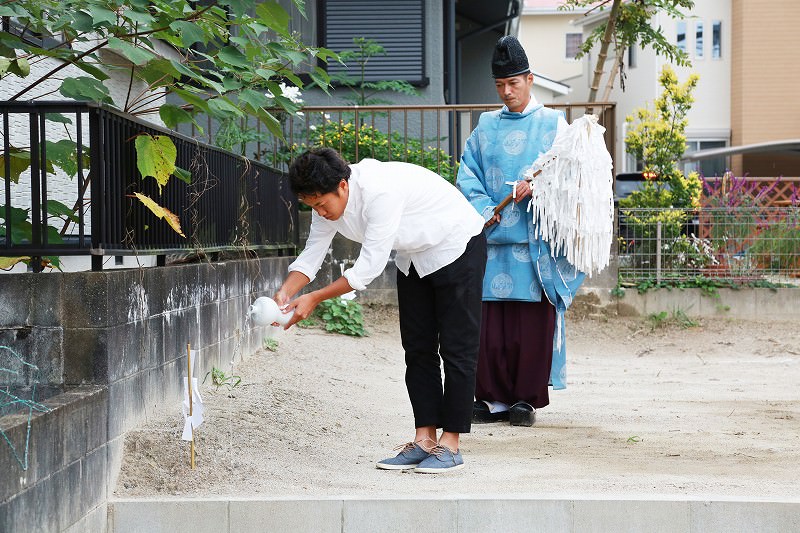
[{"x": 196, "y": 419}]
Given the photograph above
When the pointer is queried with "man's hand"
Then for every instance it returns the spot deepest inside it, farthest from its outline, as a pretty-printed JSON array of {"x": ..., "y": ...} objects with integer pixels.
[
  {"x": 523, "y": 190},
  {"x": 302, "y": 306}
]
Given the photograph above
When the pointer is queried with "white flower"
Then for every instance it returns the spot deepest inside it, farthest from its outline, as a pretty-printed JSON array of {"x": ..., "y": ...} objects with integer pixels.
[
  {"x": 290, "y": 92},
  {"x": 312, "y": 127}
]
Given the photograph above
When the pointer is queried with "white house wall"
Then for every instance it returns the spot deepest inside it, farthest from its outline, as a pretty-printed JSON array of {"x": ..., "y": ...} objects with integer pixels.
[
  {"x": 544, "y": 39},
  {"x": 709, "y": 117}
]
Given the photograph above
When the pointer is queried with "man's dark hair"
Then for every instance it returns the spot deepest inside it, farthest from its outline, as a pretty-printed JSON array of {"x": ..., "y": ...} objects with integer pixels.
[{"x": 317, "y": 171}]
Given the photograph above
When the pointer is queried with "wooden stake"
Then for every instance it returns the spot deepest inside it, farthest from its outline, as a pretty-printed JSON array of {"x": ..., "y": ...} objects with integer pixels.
[{"x": 189, "y": 381}]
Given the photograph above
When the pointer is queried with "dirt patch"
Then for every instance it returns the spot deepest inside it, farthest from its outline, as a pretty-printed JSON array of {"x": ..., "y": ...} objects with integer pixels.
[{"x": 651, "y": 408}]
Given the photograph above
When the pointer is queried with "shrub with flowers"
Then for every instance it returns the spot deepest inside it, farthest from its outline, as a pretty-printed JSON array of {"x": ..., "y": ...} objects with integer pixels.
[{"x": 689, "y": 254}]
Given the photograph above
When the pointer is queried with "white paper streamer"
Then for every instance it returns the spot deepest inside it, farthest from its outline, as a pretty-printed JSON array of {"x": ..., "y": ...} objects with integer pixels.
[
  {"x": 573, "y": 199},
  {"x": 196, "y": 419}
]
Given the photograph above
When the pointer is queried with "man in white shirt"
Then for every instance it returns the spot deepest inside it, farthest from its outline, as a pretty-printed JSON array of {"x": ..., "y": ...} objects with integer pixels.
[{"x": 440, "y": 257}]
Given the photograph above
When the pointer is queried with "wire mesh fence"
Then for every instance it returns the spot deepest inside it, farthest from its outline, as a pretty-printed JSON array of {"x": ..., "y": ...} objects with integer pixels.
[{"x": 742, "y": 244}]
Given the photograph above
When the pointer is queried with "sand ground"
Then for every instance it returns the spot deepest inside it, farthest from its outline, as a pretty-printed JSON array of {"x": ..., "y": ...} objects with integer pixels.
[{"x": 710, "y": 410}]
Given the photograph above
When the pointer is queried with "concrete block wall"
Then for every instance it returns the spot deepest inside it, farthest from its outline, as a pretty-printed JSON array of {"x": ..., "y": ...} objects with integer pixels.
[{"x": 115, "y": 342}]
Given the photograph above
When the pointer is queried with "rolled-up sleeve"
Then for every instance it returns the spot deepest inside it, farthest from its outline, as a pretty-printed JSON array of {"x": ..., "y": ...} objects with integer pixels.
[
  {"x": 383, "y": 214},
  {"x": 319, "y": 240}
]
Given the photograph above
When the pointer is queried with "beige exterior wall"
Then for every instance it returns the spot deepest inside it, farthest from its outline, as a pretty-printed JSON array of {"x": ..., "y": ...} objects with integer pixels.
[
  {"x": 544, "y": 38},
  {"x": 765, "y": 99}
]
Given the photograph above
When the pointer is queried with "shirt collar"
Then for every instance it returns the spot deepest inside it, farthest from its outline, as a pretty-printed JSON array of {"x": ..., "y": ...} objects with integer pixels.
[{"x": 528, "y": 108}]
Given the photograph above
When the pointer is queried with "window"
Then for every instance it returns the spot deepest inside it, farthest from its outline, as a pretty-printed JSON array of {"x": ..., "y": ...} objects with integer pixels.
[
  {"x": 706, "y": 167},
  {"x": 574, "y": 42},
  {"x": 716, "y": 40},
  {"x": 698, "y": 41},
  {"x": 397, "y": 25},
  {"x": 632, "y": 60},
  {"x": 681, "y": 35}
]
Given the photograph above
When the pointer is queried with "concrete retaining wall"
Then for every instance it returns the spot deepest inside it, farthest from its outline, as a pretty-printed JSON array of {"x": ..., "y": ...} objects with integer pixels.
[
  {"x": 116, "y": 342},
  {"x": 529, "y": 515}
]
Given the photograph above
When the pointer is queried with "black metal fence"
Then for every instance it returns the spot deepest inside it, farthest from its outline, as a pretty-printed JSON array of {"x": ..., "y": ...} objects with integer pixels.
[{"x": 70, "y": 177}]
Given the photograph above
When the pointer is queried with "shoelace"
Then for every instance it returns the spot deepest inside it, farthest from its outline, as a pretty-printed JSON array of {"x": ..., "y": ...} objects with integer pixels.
[
  {"x": 439, "y": 449},
  {"x": 408, "y": 446}
]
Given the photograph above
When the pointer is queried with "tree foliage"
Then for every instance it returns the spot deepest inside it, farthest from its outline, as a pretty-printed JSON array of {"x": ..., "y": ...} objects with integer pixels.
[
  {"x": 657, "y": 138},
  {"x": 364, "y": 91},
  {"x": 629, "y": 23},
  {"x": 227, "y": 59}
]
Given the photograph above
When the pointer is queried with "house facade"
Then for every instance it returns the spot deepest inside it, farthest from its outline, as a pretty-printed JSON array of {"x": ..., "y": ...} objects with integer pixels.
[{"x": 737, "y": 47}]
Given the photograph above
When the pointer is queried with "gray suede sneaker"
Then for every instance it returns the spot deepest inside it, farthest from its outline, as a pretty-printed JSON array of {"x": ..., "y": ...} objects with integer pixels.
[
  {"x": 411, "y": 454},
  {"x": 441, "y": 459}
]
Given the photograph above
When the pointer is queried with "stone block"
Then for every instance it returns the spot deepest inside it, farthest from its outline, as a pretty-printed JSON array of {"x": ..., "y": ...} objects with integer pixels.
[
  {"x": 741, "y": 517},
  {"x": 86, "y": 300},
  {"x": 319, "y": 516},
  {"x": 88, "y": 354},
  {"x": 513, "y": 515},
  {"x": 125, "y": 404},
  {"x": 630, "y": 516},
  {"x": 137, "y": 516},
  {"x": 37, "y": 346},
  {"x": 399, "y": 516},
  {"x": 30, "y": 299}
]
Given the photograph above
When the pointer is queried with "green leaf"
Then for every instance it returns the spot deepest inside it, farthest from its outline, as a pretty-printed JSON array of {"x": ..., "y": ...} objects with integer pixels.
[
  {"x": 254, "y": 98},
  {"x": 134, "y": 54},
  {"x": 92, "y": 70},
  {"x": 63, "y": 154},
  {"x": 58, "y": 209},
  {"x": 190, "y": 33},
  {"x": 103, "y": 17},
  {"x": 82, "y": 22},
  {"x": 83, "y": 88},
  {"x": 221, "y": 107},
  {"x": 20, "y": 161},
  {"x": 58, "y": 117},
  {"x": 273, "y": 15},
  {"x": 155, "y": 156},
  {"x": 232, "y": 56},
  {"x": 190, "y": 98},
  {"x": 173, "y": 115},
  {"x": 183, "y": 175},
  {"x": 272, "y": 123}
]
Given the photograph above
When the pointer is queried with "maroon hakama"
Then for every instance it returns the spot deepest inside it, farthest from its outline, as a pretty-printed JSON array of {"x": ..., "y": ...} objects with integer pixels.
[{"x": 516, "y": 352}]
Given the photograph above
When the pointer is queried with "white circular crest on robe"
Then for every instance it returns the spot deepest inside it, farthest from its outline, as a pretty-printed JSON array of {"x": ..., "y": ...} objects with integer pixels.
[
  {"x": 514, "y": 143},
  {"x": 536, "y": 291},
  {"x": 494, "y": 178},
  {"x": 510, "y": 215},
  {"x": 521, "y": 252},
  {"x": 567, "y": 270},
  {"x": 491, "y": 252},
  {"x": 547, "y": 140},
  {"x": 502, "y": 285}
]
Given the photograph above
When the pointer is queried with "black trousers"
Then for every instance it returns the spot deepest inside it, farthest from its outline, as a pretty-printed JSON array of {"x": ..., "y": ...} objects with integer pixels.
[{"x": 440, "y": 315}]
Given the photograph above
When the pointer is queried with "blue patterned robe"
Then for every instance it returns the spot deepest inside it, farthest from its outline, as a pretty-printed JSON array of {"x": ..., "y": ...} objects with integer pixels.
[{"x": 520, "y": 266}]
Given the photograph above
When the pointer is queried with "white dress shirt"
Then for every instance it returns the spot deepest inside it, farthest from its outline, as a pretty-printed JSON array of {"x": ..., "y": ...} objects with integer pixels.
[{"x": 394, "y": 206}]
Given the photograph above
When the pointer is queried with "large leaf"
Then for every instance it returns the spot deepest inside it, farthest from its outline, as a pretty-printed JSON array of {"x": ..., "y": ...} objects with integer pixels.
[
  {"x": 155, "y": 157},
  {"x": 64, "y": 154},
  {"x": 190, "y": 33},
  {"x": 232, "y": 56},
  {"x": 58, "y": 209},
  {"x": 83, "y": 88},
  {"x": 58, "y": 117},
  {"x": 223, "y": 108},
  {"x": 103, "y": 17},
  {"x": 20, "y": 161},
  {"x": 173, "y": 115},
  {"x": 134, "y": 54},
  {"x": 161, "y": 212},
  {"x": 273, "y": 15}
]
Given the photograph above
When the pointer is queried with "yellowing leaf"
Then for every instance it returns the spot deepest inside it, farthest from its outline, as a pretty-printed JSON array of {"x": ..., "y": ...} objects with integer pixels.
[
  {"x": 8, "y": 262},
  {"x": 161, "y": 212},
  {"x": 155, "y": 156}
]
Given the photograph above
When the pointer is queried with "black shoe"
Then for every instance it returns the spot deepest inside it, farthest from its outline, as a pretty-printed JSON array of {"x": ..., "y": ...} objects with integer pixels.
[
  {"x": 482, "y": 415},
  {"x": 522, "y": 414}
]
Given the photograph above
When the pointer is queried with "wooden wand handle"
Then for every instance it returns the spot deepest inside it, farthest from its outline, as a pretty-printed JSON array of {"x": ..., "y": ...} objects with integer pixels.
[{"x": 507, "y": 200}]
